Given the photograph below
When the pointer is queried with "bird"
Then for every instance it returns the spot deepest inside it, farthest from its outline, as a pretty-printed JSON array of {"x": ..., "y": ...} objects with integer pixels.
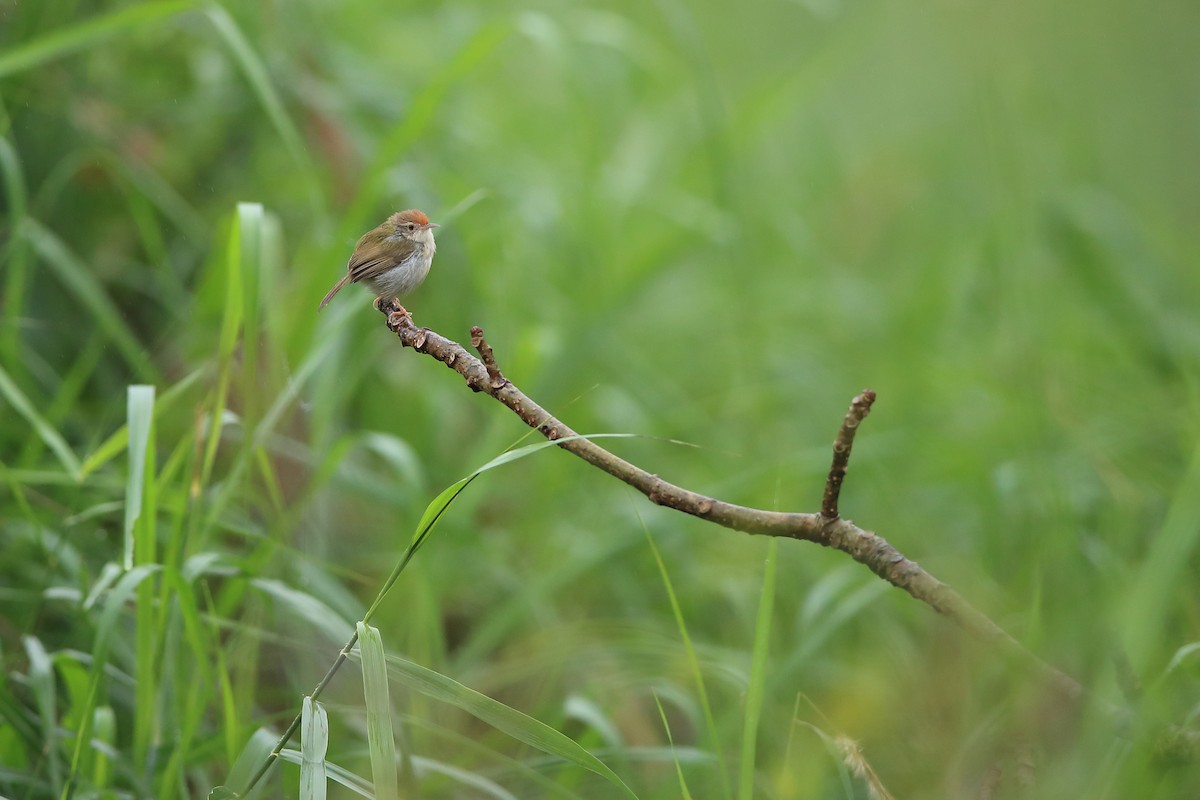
[{"x": 392, "y": 259}]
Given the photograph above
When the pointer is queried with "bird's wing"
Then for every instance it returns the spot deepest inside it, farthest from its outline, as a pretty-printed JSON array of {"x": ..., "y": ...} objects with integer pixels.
[{"x": 370, "y": 262}]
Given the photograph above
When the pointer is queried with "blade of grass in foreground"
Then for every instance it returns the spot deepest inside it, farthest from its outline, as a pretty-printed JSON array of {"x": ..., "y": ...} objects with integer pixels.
[
  {"x": 439, "y": 504},
  {"x": 139, "y": 416},
  {"x": 113, "y": 606},
  {"x": 359, "y": 785},
  {"x": 245, "y": 771},
  {"x": 44, "y": 688},
  {"x": 693, "y": 665},
  {"x": 314, "y": 743},
  {"x": 758, "y": 676},
  {"x": 433, "y": 513},
  {"x": 141, "y": 517},
  {"x": 104, "y": 733},
  {"x": 248, "y": 260},
  {"x": 521, "y": 727},
  {"x": 381, "y": 739},
  {"x": 683, "y": 787}
]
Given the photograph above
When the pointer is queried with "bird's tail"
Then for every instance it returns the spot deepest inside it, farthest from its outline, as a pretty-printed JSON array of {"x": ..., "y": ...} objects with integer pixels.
[{"x": 337, "y": 287}]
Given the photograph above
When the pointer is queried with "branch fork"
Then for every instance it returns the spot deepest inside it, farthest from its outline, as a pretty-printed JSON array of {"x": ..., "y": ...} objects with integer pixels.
[{"x": 826, "y": 528}]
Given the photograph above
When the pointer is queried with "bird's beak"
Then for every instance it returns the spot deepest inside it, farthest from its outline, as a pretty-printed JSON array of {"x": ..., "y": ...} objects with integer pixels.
[{"x": 433, "y": 225}]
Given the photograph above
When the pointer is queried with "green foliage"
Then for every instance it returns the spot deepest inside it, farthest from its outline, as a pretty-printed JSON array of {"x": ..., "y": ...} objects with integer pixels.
[{"x": 691, "y": 221}]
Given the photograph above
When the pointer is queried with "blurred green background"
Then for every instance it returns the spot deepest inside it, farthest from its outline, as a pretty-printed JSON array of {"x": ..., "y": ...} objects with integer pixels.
[{"x": 709, "y": 222}]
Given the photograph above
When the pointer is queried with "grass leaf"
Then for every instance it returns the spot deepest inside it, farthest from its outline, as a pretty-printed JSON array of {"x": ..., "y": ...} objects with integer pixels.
[
  {"x": 119, "y": 439},
  {"x": 77, "y": 279},
  {"x": 381, "y": 739},
  {"x": 260, "y": 82},
  {"x": 53, "y": 439},
  {"x": 520, "y": 726},
  {"x": 693, "y": 665},
  {"x": 139, "y": 418},
  {"x": 314, "y": 743},
  {"x": 758, "y": 676},
  {"x": 683, "y": 787},
  {"x": 1171, "y": 550}
]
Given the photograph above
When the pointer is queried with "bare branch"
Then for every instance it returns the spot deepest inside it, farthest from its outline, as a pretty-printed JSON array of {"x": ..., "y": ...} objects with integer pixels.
[
  {"x": 859, "y": 408},
  {"x": 864, "y": 546},
  {"x": 489, "y": 358}
]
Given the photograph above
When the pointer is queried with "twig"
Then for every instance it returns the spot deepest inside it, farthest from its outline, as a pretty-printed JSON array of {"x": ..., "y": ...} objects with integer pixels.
[
  {"x": 859, "y": 408},
  {"x": 489, "y": 358},
  {"x": 864, "y": 546},
  {"x": 273, "y": 756}
]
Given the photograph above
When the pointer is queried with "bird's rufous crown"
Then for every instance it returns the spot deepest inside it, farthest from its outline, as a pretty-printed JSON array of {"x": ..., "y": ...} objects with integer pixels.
[{"x": 411, "y": 215}]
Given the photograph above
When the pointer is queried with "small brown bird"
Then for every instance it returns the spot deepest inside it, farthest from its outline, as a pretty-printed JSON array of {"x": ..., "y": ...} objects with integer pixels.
[{"x": 392, "y": 259}]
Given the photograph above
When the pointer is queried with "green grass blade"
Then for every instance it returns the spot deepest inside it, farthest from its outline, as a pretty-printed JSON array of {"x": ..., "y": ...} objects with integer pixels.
[
  {"x": 304, "y": 607},
  {"x": 234, "y": 280},
  {"x": 693, "y": 665},
  {"x": 439, "y": 504},
  {"x": 260, "y": 82},
  {"x": 17, "y": 399},
  {"x": 316, "y": 611},
  {"x": 152, "y": 186},
  {"x": 67, "y": 391},
  {"x": 231, "y": 727},
  {"x": 835, "y": 757},
  {"x": 299, "y": 379},
  {"x": 45, "y": 697},
  {"x": 119, "y": 440},
  {"x": 17, "y": 255},
  {"x": 138, "y": 420},
  {"x": 683, "y": 787},
  {"x": 104, "y": 733},
  {"x": 1181, "y": 655},
  {"x": 249, "y": 227},
  {"x": 257, "y": 750},
  {"x": 114, "y": 604},
  {"x": 314, "y": 743},
  {"x": 338, "y": 774},
  {"x": 141, "y": 517},
  {"x": 66, "y": 41},
  {"x": 473, "y": 781},
  {"x": 381, "y": 739},
  {"x": 194, "y": 687},
  {"x": 520, "y": 726},
  {"x": 1145, "y": 611},
  {"x": 77, "y": 279},
  {"x": 758, "y": 676},
  {"x": 227, "y": 339}
]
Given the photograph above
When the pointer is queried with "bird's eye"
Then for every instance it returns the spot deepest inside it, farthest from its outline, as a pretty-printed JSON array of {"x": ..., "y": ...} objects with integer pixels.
[{"x": 410, "y": 226}]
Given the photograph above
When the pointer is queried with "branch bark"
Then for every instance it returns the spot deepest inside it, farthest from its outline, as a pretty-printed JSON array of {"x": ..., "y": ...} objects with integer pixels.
[
  {"x": 827, "y": 528},
  {"x": 859, "y": 408}
]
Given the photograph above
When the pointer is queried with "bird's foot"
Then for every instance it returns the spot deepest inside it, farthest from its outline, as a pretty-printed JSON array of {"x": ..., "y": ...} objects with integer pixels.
[{"x": 397, "y": 314}]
